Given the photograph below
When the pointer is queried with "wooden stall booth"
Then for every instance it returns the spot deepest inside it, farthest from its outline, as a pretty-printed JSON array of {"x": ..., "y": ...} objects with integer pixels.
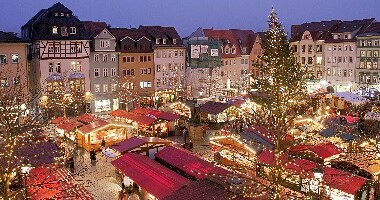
[{"x": 98, "y": 133}]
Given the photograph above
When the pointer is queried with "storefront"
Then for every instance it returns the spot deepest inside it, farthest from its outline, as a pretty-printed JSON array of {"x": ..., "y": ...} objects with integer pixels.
[
  {"x": 102, "y": 105},
  {"x": 98, "y": 133},
  {"x": 67, "y": 129}
]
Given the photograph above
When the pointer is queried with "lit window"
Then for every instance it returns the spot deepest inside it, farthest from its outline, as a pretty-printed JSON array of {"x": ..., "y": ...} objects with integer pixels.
[
  {"x": 105, "y": 87},
  {"x": 97, "y": 87},
  {"x": 55, "y": 30},
  {"x": 157, "y": 40},
  {"x": 174, "y": 41},
  {"x": 15, "y": 58},
  {"x": 164, "y": 41}
]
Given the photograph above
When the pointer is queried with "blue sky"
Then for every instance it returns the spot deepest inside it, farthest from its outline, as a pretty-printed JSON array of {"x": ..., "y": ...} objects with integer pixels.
[{"x": 188, "y": 15}]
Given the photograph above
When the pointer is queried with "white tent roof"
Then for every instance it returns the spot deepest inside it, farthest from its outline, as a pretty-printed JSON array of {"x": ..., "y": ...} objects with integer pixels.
[{"x": 350, "y": 97}]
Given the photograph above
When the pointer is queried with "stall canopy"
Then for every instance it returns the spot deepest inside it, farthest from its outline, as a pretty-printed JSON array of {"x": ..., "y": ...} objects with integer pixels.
[
  {"x": 204, "y": 189},
  {"x": 69, "y": 125},
  {"x": 214, "y": 108},
  {"x": 328, "y": 132},
  {"x": 51, "y": 182},
  {"x": 156, "y": 113},
  {"x": 346, "y": 137},
  {"x": 92, "y": 126},
  {"x": 150, "y": 175},
  {"x": 58, "y": 120},
  {"x": 259, "y": 134},
  {"x": 188, "y": 163},
  {"x": 297, "y": 165},
  {"x": 87, "y": 118},
  {"x": 324, "y": 150},
  {"x": 343, "y": 181},
  {"x": 141, "y": 119},
  {"x": 350, "y": 97},
  {"x": 137, "y": 143},
  {"x": 36, "y": 154}
]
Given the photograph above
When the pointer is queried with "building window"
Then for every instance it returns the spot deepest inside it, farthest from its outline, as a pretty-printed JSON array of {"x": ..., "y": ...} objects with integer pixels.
[
  {"x": 128, "y": 59},
  {"x": 174, "y": 41},
  {"x": 113, "y": 72},
  {"x": 58, "y": 67},
  {"x": 369, "y": 53},
  {"x": 351, "y": 47},
  {"x": 96, "y": 87},
  {"x": 329, "y": 59},
  {"x": 15, "y": 58},
  {"x": 334, "y": 59},
  {"x": 96, "y": 72},
  {"x": 375, "y": 53},
  {"x": 340, "y": 72},
  {"x": 233, "y": 50},
  {"x": 4, "y": 82},
  {"x": 309, "y": 60},
  {"x": 181, "y": 53},
  {"x": 328, "y": 72},
  {"x": 16, "y": 80},
  {"x": 175, "y": 53},
  {"x": 73, "y": 30},
  {"x": 319, "y": 60},
  {"x": 158, "y": 82},
  {"x": 158, "y": 68},
  {"x": 51, "y": 67},
  {"x": 64, "y": 31},
  {"x": 319, "y": 48},
  {"x": 182, "y": 66},
  {"x": 351, "y": 72},
  {"x": 369, "y": 65},
  {"x": 375, "y": 65},
  {"x": 350, "y": 59},
  {"x": 96, "y": 57},
  {"x": 362, "y": 53},
  {"x": 105, "y": 72},
  {"x": 145, "y": 84},
  {"x": 128, "y": 72},
  {"x": 376, "y": 43},
  {"x": 334, "y": 47},
  {"x": 164, "y": 41},
  {"x": 113, "y": 87},
  {"x": 105, "y": 87},
  {"x": 113, "y": 57},
  {"x": 104, "y": 43},
  {"x": 303, "y": 48},
  {"x": 368, "y": 79},
  {"x": 328, "y": 47},
  {"x": 345, "y": 73},
  {"x": 339, "y": 59},
  {"x": 363, "y": 43},
  {"x": 310, "y": 49},
  {"x": 55, "y": 30},
  {"x": 105, "y": 57},
  {"x": 374, "y": 79},
  {"x": 157, "y": 40},
  {"x": 369, "y": 43},
  {"x": 76, "y": 66},
  {"x": 362, "y": 65},
  {"x": 227, "y": 50},
  {"x": 303, "y": 60}
]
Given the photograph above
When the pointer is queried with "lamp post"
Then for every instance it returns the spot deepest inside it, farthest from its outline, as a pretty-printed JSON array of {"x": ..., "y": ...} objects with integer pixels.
[
  {"x": 318, "y": 174},
  {"x": 25, "y": 171}
]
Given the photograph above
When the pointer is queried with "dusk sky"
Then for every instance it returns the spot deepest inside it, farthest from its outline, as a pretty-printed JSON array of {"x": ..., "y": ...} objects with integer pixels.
[{"x": 186, "y": 16}]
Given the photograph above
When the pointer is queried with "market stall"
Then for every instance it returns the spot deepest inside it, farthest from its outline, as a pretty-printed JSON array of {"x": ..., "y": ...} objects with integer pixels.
[
  {"x": 67, "y": 129},
  {"x": 98, "y": 133},
  {"x": 215, "y": 112},
  {"x": 139, "y": 124},
  {"x": 87, "y": 118},
  {"x": 181, "y": 109}
]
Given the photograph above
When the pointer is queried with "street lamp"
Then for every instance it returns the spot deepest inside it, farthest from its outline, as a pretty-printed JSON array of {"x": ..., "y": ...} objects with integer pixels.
[
  {"x": 25, "y": 171},
  {"x": 318, "y": 174}
]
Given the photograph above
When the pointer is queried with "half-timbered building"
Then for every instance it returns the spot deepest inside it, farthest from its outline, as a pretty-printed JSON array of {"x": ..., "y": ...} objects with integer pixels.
[{"x": 58, "y": 52}]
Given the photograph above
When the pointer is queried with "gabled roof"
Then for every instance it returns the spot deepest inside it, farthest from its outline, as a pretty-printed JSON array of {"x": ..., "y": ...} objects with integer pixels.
[
  {"x": 159, "y": 32},
  {"x": 323, "y": 150},
  {"x": 136, "y": 142},
  {"x": 259, "y": 134},
  {"x": 150, "y": 175},
  {"x": 343, "y": 181},
  {"x": 94, "y": 28},
  {"x": 92, "y": 126},
  {"x": 233, "y": 37},
  {"x": 8, "y": 37},
  {"x": 188, "y": 163},
  {"x": 59, "y": 7},
  {"x": 319, "y": 30},
  {"x": 372, "y": 30},
  {"x": 355, "y": 27},
  {"x": 87, "y": 118},
  {"x": 214, "y": 108}
]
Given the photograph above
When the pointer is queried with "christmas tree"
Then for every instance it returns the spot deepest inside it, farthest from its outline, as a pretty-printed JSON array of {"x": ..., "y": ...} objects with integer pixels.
[{"x": 280, "y": 91}]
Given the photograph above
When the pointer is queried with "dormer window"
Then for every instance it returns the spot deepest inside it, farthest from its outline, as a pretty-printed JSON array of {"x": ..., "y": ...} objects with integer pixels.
[
  {"x": 55, "y": 30},
  {"x": 56, "y": 14},
  {"x": 64, "y": 31},
  {"x": 174, "y": 41},
  {"x": 335, "y": 37},
  {"x": 244, "y": 50},
  {"x": 67, "y": 15},
  {"x": 228, "y": 41},
  {"x": 73, "y": 30},
  {"x": 227, "y": 50},
  {"x": 157, "y": 40},
  {"x": 164, "y": 41},
  {"x": 62, "y": 14},
  {"x": 233, "y": 50}
]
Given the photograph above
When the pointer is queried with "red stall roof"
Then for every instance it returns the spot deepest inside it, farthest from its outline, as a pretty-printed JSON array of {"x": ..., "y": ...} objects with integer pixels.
[
  {"x": 138, "y": 141},
  {"x": 150, "y": 175},
  {"x": 299, "y": 166},
  {"x": 343, "y": 181},
  {"x": 51, "y": 182},
  {"x": 189, "y": 163},
  {"x": 91, "y": 127},
  {"x": 204, "y": 189},
  {"x": 87, "y": 118},
  {"x": 139, "y": 118},
  {"x": 325, "y": 150},
  {"x": 69, "y": 125},
  {"x": 156, "y": 113},
  {"x": 58, "y": 120}
]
